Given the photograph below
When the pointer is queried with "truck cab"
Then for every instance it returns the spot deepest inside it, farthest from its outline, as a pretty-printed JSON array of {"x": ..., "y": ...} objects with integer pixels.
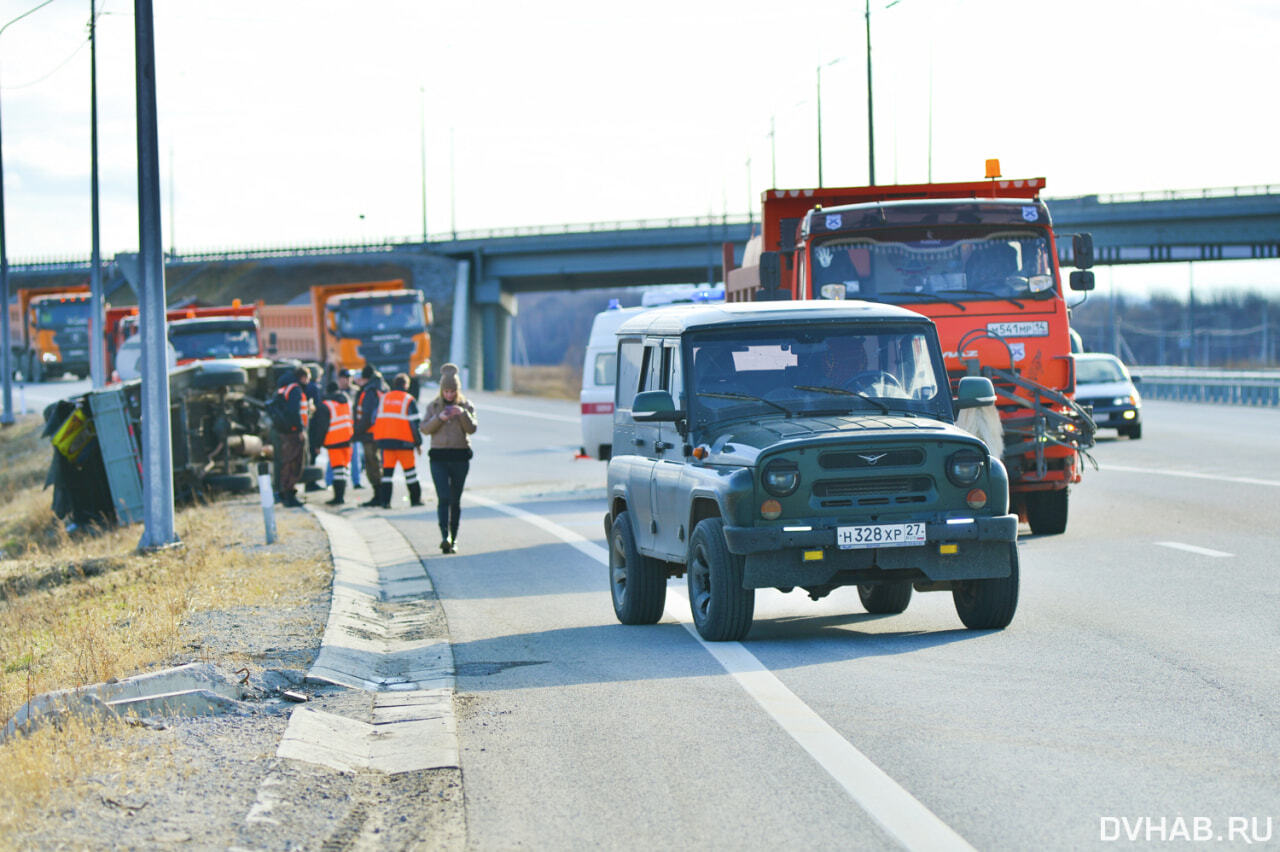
[
  {"x": 800, "y": 445},
  {"x": 57, "y": 335},
  {"x": 385, "y": 328}
]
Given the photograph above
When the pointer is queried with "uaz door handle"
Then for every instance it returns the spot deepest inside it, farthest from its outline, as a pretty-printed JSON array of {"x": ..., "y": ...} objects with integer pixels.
[{"x": 659, "y": 446}]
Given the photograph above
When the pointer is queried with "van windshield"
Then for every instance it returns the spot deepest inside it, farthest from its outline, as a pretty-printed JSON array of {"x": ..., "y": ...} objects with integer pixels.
[{"x": 767, "y": 372}]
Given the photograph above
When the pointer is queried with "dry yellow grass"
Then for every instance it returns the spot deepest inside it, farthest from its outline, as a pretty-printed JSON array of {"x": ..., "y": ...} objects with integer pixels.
[
  {"x": 90, "y": 629},
  {"x": 560, "y": 381},
  {"x": 24, "y": 507}
]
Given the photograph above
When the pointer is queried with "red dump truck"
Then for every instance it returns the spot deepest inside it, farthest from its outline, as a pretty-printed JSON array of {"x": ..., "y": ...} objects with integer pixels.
[
  {"x": 980, "y": 259},
  {"x": 346, "y": 326}
]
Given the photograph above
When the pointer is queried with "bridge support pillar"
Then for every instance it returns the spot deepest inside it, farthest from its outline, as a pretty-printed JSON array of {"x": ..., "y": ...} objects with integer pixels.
[{"x": 496, "y": 310}]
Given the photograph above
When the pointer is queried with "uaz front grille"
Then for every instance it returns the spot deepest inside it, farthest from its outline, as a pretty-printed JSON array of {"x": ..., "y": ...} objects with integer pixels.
[{"x": 881, "y": 491}]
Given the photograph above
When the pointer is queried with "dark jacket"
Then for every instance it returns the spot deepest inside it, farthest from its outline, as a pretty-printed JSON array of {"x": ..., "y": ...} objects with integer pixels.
[
  {"x": 366, "y": 408},
  {"x": 293, "y": 404}
]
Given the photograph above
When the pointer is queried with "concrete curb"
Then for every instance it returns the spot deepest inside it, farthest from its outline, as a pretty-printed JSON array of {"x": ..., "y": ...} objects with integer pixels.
[
  {"x": 378, "y": 640},
  {"x": 196, "y": 689}
]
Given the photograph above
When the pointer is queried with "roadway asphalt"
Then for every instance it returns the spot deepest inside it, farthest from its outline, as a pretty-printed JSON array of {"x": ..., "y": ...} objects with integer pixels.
[{"x": 1137, "y": 682}]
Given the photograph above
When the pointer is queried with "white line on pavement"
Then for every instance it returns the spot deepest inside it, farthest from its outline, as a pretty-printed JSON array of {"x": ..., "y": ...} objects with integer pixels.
[
  {"x": 1191, "y": 548},
  {"x": 523, "y": 412},
  {"x": 1243, "y": 480},
  {"x": 897, "y": 811}
]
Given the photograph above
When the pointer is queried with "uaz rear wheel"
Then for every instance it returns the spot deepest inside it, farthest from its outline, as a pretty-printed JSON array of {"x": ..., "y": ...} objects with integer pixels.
[{"x": 637, "y": 583}]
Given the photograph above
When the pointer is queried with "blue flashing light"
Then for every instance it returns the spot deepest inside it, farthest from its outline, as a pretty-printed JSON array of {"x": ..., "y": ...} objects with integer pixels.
[
  {"x": 708, "y": 295},
  {"x": 614, "y": 305}
]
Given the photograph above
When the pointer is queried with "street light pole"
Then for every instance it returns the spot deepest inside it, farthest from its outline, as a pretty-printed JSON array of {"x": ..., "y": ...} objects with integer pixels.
[
  {"x": 97, "y": 329},
  {"x": 871, "y": 133},
  {"x": 819, "y": 127},
  {"x": 6, "y": 346}
]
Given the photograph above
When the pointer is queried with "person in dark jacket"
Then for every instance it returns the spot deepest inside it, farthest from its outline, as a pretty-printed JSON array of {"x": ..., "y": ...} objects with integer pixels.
[
  {"x": 315, "y": 439},
  {"x": 366, "y": 412},
  {"x": 397, "y": 435},
  {"x": 292, "y": 431}
]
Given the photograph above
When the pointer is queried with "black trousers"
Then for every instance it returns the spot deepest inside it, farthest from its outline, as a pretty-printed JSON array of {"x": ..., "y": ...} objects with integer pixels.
[{"x": 448, "y": 478}]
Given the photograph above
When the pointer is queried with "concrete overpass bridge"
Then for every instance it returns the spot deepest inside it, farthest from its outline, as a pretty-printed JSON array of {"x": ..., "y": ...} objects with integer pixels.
[{"x": 475, "y": 279}]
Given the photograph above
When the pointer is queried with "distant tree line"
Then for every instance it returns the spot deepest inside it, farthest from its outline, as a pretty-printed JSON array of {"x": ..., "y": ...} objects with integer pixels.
[{"x": 1230, "y": 330}]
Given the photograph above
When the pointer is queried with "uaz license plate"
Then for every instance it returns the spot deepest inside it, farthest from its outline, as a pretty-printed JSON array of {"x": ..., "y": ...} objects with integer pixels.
[{"x": 880, "y": 535}]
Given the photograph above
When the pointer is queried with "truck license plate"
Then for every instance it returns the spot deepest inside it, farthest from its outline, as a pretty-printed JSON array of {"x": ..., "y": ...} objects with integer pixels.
[{"x": 880, "y": 535}]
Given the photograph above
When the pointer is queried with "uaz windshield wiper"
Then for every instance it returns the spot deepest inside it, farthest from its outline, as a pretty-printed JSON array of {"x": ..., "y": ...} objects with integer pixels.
[
  {"x": 843, "y": 392},
  {"x": 746, "y": 396}
]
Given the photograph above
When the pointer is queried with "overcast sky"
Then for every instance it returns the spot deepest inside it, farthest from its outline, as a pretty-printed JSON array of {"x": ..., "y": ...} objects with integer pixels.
[{"x": 302, "y": 123}]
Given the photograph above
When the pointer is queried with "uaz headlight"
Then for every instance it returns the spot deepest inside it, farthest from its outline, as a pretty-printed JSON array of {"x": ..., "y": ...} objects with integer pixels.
[
  {"x": 964, "y": 467},
  {"x": 781, "y": 477}
]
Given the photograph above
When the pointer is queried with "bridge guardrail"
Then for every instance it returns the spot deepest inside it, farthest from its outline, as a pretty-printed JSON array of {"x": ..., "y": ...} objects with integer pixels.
[{"x": 1228, "y": 387}]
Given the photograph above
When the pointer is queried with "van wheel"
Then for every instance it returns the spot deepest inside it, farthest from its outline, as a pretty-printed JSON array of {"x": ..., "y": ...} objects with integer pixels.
[
  {"x": 1047, "y": 512},
  {"x": 885, "y": 598},
  {"x": 988, "y": 604},
  {"x": 637, "y": 584},
  {"x": 722, "y": 608}
]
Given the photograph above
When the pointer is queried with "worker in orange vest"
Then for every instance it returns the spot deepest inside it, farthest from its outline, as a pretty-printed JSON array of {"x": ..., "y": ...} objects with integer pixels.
[
  {"x": 333, "y": 420},
  {"x": 397, "y": 435}
]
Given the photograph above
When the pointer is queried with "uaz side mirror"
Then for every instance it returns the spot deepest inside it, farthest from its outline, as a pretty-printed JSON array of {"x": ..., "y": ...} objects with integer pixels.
[
  {"x": 975, "y": 392},
  {"x": 655, "y": 407}
]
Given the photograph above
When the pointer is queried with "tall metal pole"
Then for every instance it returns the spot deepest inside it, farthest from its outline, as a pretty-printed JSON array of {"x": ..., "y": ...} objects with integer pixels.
[
  {"x": 820, "y": 125},
  {"x": 422, "y": 147},
  {"x": 157, "y": 449},
  {"x": 773, "y": 152},
  {"x": 6, "y": 346},
  {"x": 871, "y": 133},
  {"x": 97, "y": 331}
]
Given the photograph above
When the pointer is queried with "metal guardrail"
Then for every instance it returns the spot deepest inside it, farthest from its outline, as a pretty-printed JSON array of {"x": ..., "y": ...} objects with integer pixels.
[{"x": 1227, "y": 387}]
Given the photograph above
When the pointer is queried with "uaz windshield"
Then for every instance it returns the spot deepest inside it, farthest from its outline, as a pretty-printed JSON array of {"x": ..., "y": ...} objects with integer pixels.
[
  {"x": 816, "y": 372},
  {"x": 360, "y": 319},
  {"x": 945, "y": 264}
]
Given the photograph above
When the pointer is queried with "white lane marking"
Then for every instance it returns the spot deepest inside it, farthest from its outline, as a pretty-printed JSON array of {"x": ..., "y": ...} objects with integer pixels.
[
  {"x": 523, "y": 412},
  {"x": 896, "y": 811},
  {"x": 1187, "y": 474},
  {"x": 1191, "y": 548}
]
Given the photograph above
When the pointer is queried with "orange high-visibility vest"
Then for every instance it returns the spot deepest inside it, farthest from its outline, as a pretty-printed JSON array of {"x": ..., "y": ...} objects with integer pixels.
[
  {"x": 393, "y": 423},
  {"x": 341, "y": 427},
  {"x": 302, "y": 402}
]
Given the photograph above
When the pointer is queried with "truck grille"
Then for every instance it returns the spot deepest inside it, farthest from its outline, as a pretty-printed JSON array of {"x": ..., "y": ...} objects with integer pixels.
[{"x": 881, "y": 491}]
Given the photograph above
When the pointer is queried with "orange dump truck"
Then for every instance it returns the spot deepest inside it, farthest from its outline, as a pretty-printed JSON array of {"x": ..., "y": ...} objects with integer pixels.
[
  {"x": 51, "y": 332},
  {"x": 346, "y": 326},
  {"x": 980, "y": 259}
]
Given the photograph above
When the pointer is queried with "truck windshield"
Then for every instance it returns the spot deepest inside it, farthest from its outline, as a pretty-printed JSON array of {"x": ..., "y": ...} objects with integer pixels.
[
  {"x": 910, "y": 266},
  {"x": 821, "y": 371},
  {"x": 56, "y": 313},
  {"x": 364, "y": 318},
  {"x": 222, "y": 341}
]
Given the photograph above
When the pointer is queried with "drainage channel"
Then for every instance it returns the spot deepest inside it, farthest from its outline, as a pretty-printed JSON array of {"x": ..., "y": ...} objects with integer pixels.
[{"x": 385, "y": 639}]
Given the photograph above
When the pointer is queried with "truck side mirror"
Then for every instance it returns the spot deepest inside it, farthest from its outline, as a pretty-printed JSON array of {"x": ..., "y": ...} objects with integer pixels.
[
  {"x": 1082, "y": 279},
  {"x": 770, "y": 270},
  {"x": 975, "y": 392},
  {"x": 271, "y": 343},
  {"x": 1082, "y": 250}
]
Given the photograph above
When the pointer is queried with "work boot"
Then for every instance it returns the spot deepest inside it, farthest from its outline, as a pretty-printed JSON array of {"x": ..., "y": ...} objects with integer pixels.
[
  {"x": 415, "y": 494},
  {"x": 339, "y": 490},
  {"x": 384, "y": 495},
  {"x": 290, "y": 500},
  {"x": 375, "y": 502}
]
